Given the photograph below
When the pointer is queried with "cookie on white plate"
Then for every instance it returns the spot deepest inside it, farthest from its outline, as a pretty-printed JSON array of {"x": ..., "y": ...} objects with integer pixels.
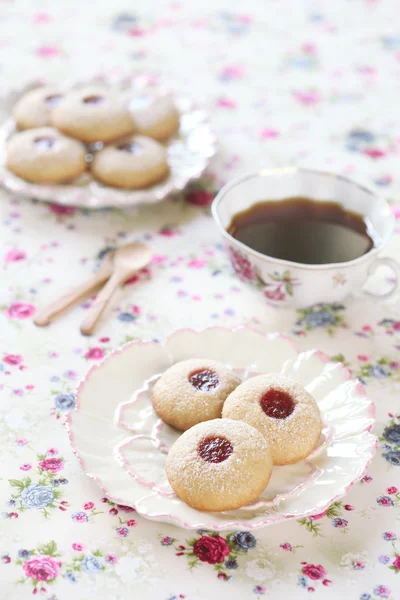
[
  {"x": 192, "y": 391},
  {"x": 34, "y": 109},
  {"x": 154, "y": 116},
  {"x": 219, "y": 465},
  {"x": 132, "y": 163},
  {"x": 44, "y": 155},
  {"x": 282, "y": 410},
  {"x": 93, "y": 114}
]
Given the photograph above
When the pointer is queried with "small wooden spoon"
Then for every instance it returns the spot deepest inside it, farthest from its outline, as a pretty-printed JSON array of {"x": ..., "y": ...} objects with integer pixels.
[
  {"x": 104, "y": 272},
  {"x": 127, "y": 261}
]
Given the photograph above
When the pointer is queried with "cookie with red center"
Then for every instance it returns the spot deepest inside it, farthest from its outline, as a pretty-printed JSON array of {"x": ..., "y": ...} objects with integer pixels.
[
  {"x": 193, "y": 391},
  {"x": 154, "y": 116},
  {"x": 45, "y": 155},
  {"x": 132, "y": 163},
  {"x": 219, "y": 465},
  {"x": 282, "y": 410},
  {"x": 93, "y": 114},
  {"x": 34, "y": 109}
]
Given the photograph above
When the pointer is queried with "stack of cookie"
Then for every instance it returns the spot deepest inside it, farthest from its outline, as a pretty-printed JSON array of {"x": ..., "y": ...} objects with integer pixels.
[{"x": 119, "y": 139}]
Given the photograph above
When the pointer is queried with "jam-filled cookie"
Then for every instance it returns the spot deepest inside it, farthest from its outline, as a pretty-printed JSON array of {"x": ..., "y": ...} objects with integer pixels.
[
  {"x": 93, "y": 114},
  {"x": 193, "y": 391},
  {"x": 45, "y": 155},
  {"x": 219, "y": 465},
  {"x": 282, "y": 410},
  {"x": 154, "y": 116},
  {"x": 133, "y": 163},
  {"x": 34, "y": 109}
]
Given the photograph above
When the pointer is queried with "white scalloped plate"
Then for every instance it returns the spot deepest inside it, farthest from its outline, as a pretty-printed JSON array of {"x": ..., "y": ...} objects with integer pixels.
[
  {"x": 122, "y": 445},
  {"x": 189, "y": 153}
]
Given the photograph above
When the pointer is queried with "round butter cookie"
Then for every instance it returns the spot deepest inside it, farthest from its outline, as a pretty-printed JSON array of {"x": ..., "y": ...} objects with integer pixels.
[
  {"x": 154, "y": 116},
  {"x": 282, "y": 410},
  {"x": 45, "y": 155},
  {"x": 133, "y": 163},
  {"x": 193, "y": 391},
  {"x": 93, "y": 114},
  {"x": 219, "y": 465},
  {"x": 34, "y": 109}
]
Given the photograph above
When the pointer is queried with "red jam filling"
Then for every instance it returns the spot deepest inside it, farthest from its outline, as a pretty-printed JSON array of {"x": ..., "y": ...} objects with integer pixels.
[
  {"x": 131, "y": 147},
  {"x": 44, "y": 143},
  {"x": 93, "y": 99},
  {"x": 204, "y": 380},
  {"x": 53, "y": 99},
  {"x": 277, "y": 404},
  {"x": 214, "y": 449}
]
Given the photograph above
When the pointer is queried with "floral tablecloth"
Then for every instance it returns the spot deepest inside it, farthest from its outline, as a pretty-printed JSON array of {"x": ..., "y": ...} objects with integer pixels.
[{"x": 306, "y": 82}]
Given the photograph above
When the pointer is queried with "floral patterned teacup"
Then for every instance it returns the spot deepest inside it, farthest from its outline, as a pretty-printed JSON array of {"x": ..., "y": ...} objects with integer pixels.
[{"x": 290, "y": 284}]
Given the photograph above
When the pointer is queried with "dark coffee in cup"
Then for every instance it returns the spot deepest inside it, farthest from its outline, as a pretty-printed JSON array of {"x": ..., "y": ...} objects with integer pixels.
[{"x": 304, "y": 231}]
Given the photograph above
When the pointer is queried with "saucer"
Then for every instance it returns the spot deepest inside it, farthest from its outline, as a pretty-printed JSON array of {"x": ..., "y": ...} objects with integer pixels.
[
  {"x": 122, "y": 444},
  {"x": 189, "y": 153}
]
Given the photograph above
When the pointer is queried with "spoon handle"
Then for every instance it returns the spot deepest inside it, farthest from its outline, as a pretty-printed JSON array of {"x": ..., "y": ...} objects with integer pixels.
[
  {"x": 99, "y": 305},
  {"x": 44, "y": 316}
]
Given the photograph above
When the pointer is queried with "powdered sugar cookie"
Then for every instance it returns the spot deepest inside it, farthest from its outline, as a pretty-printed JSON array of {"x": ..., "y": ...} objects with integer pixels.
[
  {"x": 133, "y": 163},
  {"x": 93, "y": 113},
  {"x": 282, "y": 410},
  {"x": 219, "y": 465},
  {"x": 154, "y": 116},
  {"x": 193, "y": 391},
  {"x": 45, "y": 155},
  {"x": 34, "y": 108}
]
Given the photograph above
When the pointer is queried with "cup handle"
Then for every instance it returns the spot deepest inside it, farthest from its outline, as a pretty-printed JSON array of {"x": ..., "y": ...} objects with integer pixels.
[{"x": 378, "y": 262}]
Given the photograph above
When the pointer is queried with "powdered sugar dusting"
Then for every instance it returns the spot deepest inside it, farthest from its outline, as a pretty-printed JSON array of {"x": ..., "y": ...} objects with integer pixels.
[
  {"x": 236, "y": 481},
  {"x": 291, "y": 438},
  {"x": 182, "y": 405}
]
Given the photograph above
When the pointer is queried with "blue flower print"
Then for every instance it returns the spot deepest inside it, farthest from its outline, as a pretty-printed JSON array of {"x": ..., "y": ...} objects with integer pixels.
[
  {"x": 361, "y": 135},
  {"x": 65, "y": 402},
  {"x": 62, "y": 481},
  {"x": 37, "y": 496},
  {"x": 320, "y": 318},
  {"x": 126, "y": 317},
  {"x": 231, "y": 564},
  {"x": 244, "y": 540},
  {"x": 392, "y": 434},
  {"x": 124, "y": 20},
  {"x": 393, "y": 457},
  {"x": 379, "y": 371},
  {"x": 392, "y": 42},
  {"x": 91, "y": 564}
]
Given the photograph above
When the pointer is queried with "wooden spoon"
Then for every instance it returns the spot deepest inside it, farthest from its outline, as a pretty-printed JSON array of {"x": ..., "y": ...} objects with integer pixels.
[
  {"x": 104, "y": 272},
  {"x": 127, "y": 261}
]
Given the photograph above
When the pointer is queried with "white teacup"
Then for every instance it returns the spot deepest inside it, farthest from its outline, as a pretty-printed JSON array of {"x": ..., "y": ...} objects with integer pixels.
[{"x": 289, "y": 284}]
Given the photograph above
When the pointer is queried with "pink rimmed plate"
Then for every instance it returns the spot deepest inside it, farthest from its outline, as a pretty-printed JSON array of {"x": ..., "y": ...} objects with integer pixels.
[
  {"x": 189, "y": 153},
  {"x": 122, "y": 445}
]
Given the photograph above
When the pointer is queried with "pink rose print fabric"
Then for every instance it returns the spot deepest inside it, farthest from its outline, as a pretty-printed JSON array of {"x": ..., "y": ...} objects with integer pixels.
[{"x": 286, "y": 83}]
